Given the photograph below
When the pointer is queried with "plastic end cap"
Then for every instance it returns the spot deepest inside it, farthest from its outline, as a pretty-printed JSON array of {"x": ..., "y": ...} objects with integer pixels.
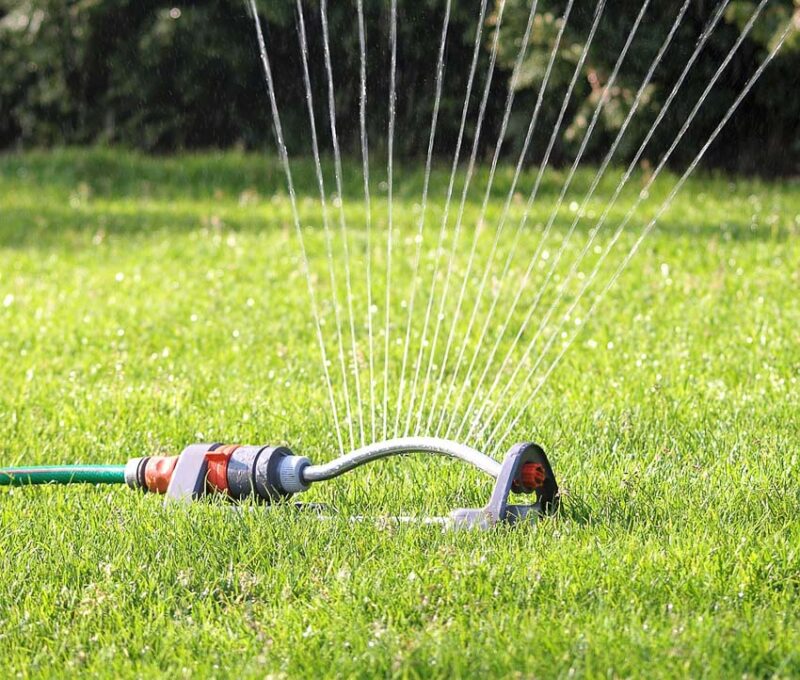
[{"x": 290, "y": 473}]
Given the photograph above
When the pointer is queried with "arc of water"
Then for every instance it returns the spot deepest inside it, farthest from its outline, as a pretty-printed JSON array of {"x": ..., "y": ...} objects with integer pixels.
[
  {"x": 423, "y": 209},
  {"x": 705, "y": 35},
  {"x": 284, "y": 157},
  {"x": 362, "y": 120},
  {"x": 567, "y": 183},
  {"x": 642, "y": 195},
  {"x": 595, "y": 182},
  {"x": 443, "y": 228},
  {"x": 515, "y": 180},
  {"x": 390, "y": 206},
  {"x": 664, "y": 206},
  {"x": 323, "y": 8},
  {"x": 631, "y": 167},
  {"x": 484, "y": 206},
  {"x": 459, "y": 218},
  {"x": 301, "y": 25},
  {"x": 600, "y": 7}
]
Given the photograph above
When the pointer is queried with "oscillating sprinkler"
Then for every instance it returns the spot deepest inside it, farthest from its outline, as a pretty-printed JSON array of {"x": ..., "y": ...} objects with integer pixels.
[{"x": 275, "y": 473}]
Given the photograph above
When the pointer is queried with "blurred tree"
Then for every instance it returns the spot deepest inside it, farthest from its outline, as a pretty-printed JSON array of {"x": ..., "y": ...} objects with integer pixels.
[
  {"x": 764, "y": 117},
  {"x": 161, "y": 76}
]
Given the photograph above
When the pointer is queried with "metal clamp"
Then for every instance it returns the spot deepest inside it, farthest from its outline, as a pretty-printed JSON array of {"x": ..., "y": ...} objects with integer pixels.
[{"x": 188, "y": 479}]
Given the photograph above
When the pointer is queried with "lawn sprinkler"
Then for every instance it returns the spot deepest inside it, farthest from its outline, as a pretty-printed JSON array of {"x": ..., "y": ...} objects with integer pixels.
[{"x": 274, "y": 473}]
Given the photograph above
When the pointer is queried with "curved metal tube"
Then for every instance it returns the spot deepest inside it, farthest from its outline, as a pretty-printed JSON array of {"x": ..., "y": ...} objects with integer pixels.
[{"x": 396, "y": 447}]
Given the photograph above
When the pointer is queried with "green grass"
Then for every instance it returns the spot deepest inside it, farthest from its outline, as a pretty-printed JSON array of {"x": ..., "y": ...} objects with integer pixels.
[{"x": 148, "y": 303}]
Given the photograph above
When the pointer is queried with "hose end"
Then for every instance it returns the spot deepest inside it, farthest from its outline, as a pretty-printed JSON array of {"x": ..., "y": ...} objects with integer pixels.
[{"x": 134, "y": 472}]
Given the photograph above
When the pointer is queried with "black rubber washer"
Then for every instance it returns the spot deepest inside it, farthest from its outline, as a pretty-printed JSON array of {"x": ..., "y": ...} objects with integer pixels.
[{"x": 140, "y": 469}]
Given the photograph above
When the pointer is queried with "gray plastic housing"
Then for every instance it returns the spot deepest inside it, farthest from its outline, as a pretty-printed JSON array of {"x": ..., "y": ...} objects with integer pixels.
[
  {"x": 268, "y": 472},
  {"x": 241, "y": 471},
  {"x": 265, "y": 472}
]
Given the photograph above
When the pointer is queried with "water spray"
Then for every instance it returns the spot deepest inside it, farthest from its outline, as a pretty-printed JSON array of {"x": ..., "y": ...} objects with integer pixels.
[{"x": 272, "y": 474}]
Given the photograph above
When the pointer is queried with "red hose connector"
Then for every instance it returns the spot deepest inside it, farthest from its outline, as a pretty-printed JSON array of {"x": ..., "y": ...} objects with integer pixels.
[
  {"x": 158, "y": 471},
  {"x": 217, "y": 477}
]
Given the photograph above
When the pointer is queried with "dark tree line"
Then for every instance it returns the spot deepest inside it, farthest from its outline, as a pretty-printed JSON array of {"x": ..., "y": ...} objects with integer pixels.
[{"x": 162, "y": 76}]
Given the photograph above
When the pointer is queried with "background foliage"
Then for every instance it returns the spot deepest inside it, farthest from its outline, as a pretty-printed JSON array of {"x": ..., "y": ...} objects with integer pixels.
[{"x": 160, "y": 76}]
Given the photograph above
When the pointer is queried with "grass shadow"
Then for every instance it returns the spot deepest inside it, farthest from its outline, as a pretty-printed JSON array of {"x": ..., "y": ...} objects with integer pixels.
[{"x": 53, "y": 198}]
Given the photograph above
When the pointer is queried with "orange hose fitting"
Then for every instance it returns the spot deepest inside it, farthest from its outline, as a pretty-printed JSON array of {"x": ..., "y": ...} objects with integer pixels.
[
  {"x": 158, "y": 472},
  {"x": 533, "y": 475},
  {"x": 217, "y": 477}
]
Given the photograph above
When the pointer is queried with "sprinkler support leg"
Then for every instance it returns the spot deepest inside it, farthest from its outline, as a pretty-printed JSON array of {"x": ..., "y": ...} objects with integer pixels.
[
  {"x": 188, "y": 479},
  {"x": 498, "y": 509}
]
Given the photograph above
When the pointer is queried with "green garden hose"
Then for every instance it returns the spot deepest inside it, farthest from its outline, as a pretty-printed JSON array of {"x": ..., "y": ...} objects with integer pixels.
[{"x": 62, "y": 474}]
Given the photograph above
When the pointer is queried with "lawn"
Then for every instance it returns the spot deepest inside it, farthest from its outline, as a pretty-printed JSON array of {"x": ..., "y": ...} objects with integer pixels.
[{"x": 146, "y": 303}]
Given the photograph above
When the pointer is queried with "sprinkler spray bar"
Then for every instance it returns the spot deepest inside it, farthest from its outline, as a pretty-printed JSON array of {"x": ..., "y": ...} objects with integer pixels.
[{"x": 272, "y": 473}]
